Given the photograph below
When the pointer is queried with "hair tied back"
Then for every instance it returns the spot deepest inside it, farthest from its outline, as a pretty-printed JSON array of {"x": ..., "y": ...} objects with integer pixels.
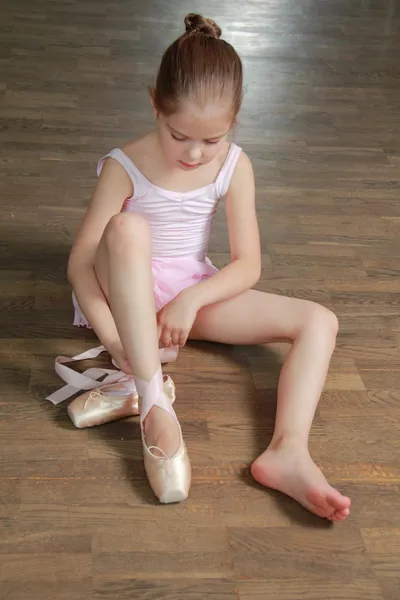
[{"x": 197, "y": 24}]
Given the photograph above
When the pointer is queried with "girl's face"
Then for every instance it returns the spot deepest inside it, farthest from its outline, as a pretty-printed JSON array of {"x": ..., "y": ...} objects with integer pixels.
[{"x": 194, "y": 135}]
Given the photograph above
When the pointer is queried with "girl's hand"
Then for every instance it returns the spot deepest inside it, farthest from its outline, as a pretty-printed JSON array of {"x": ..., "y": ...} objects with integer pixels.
[
  {"x": 118, "y": 354},
  {"x": 176, "y": 320}
]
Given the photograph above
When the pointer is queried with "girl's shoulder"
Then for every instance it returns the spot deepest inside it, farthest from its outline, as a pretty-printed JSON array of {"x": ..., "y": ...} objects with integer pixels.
[{"x": 141, "y": 148}]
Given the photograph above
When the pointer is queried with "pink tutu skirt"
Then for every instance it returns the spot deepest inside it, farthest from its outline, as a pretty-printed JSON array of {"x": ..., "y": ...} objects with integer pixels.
[{"x": 170, "y": 276}]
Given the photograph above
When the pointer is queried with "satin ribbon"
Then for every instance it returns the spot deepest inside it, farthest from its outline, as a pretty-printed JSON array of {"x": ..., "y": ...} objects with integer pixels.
[{"x": 89, "y": 379}]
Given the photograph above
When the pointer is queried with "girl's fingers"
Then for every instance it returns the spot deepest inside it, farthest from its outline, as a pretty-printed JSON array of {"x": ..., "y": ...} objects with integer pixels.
[
  {"x": 175, "y": 337},
  {"x": 182, "y": 338},
  {"x": 166, "y": 337}
]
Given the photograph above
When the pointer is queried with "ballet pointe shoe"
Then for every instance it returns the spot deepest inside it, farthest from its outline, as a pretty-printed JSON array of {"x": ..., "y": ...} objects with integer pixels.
[
  {"x": 169, "y": 476},
  {"x": 110, "y": 403}
]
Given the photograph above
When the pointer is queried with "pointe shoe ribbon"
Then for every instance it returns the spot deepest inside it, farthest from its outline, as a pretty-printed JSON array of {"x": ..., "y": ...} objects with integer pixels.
[{"x": 89, "y": 379}]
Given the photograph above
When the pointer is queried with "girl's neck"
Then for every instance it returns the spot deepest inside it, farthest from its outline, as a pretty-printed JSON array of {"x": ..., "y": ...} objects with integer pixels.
[{"x": 148, "y": 156}]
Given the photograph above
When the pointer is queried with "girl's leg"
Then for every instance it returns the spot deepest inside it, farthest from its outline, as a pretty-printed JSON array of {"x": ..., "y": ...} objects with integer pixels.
[
  {"x": 254, "y": 318},
  {"x": 123, "y": 269}
]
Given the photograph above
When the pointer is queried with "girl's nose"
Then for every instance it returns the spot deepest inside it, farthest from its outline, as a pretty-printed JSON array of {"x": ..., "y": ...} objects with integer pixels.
[{"x": 195, "y": 153}]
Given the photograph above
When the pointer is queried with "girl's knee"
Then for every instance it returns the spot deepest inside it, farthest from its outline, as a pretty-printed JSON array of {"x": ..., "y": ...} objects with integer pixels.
[
  {"x": 127, "y": 229},
  {"x": 320, "y": 318}
]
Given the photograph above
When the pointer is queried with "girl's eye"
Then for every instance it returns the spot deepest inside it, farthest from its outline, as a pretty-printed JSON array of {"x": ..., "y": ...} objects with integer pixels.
[{"x": 178, "y": 139}]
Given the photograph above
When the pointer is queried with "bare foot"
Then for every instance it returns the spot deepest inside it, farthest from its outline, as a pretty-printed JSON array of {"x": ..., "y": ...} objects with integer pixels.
[
  {"x": 162, "y": 432},
  {"x": 291, "y": 470}
]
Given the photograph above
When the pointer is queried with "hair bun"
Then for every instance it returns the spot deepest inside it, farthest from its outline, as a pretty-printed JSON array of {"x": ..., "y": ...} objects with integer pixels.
[{"x": 197, "y": 24}]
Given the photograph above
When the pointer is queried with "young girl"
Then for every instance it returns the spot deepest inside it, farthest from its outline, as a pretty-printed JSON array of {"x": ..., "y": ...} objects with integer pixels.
[{"x": 142, "y": 279}]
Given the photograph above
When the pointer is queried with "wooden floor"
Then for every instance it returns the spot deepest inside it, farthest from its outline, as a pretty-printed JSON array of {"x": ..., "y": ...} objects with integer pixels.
[{"x": 321, "y": 122}]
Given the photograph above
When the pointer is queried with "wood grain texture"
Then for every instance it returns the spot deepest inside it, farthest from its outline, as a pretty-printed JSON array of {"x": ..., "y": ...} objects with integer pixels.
[{"x": 321, "y": 123}]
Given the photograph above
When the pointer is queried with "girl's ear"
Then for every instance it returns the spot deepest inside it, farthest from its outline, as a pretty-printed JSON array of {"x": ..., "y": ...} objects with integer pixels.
[{"x": 152, "y": 94}]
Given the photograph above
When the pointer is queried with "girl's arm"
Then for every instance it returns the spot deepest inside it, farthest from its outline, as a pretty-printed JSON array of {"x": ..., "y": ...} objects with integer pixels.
[
  {"x": 113, "y": 187},
  {"x": 245, "y": 267}
]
